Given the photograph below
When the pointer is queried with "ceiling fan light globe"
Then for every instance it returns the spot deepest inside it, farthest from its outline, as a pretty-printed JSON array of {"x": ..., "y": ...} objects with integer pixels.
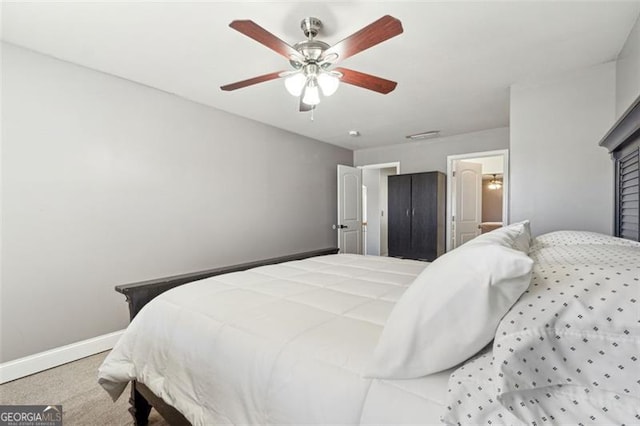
[
  {"x": 295, "y": 83},
  {"x": 328, "y": 83},
  {"x": 311, "y": 95}
]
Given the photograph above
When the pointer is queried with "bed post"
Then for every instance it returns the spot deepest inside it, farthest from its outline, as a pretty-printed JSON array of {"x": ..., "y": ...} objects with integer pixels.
[{"x": 140, "y": 407}]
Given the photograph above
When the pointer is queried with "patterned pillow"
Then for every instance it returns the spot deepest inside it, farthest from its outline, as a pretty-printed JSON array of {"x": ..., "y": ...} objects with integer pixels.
[
  {"x": 571, "y": 238},
  {"x": 571, "y": 344}
]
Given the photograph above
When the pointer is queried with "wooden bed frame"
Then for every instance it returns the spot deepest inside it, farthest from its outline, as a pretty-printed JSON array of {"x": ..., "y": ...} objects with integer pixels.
[{"x": 139, "y": 294}]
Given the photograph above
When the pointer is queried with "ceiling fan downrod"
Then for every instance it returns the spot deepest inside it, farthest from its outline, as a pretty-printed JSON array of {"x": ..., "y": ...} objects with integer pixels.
[
  {"x": 310, "y": 27},
  {"x": 310, "y": 49}
]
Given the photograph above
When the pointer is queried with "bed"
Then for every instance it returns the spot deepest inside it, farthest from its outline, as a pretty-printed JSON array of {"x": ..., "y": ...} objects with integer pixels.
[
  {"x": 287, "y": 343},
  {"x": 291, "y": 343}
]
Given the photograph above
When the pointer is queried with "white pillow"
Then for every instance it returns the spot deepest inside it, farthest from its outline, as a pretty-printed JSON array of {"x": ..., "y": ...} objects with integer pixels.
[
  {"x": 522, "y": 240},
  {"x": 517, "y": 236},
  {"x": 450, "y": 311}
]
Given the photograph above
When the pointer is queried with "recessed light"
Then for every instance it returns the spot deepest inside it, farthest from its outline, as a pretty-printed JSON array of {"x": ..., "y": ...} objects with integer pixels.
[
  {"x": 354, "y": 133},
  {"x": 424, "y": 135}
]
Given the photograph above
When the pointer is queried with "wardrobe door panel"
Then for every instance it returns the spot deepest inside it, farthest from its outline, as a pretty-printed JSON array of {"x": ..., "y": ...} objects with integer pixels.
[
  {"x": 441, "y": 211},
  {"x": 424, "y": 198},
  {"x": 399, "y": 210}
]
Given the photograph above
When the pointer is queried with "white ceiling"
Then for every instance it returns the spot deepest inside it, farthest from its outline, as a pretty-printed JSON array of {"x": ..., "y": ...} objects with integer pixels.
[{"x": 454, "y": 62}]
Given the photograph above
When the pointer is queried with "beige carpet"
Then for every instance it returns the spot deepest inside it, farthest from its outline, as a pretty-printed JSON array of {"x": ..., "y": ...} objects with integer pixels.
[{"x": 75, "y": 387}]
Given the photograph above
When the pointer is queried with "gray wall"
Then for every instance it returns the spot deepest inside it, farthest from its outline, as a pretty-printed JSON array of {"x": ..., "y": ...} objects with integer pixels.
[
  {"x": 431, "y": 154},
  {"x": 105, "y": 181},
  {"x": 628, "y": 71},
  {"x": 560, "y": 177}
]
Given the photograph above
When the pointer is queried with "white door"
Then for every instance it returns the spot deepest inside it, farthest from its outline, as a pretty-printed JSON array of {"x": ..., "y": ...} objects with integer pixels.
[
  {"x": 349, "y": 209},
  {"x": 468, "y": 202}
]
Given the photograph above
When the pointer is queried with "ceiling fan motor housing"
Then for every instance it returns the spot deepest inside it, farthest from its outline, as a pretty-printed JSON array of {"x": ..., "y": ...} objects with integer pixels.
[
  {"x": 310, "y": 27},
  {"x": 311, "y": 50}
]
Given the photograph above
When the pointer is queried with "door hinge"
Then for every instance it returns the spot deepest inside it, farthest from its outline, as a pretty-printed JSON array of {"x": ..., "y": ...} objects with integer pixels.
[{"x": 453, "y": 174}]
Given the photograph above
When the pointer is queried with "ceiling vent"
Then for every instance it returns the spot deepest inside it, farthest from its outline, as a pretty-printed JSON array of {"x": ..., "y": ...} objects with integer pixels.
[{"x": 424, "y": 135}]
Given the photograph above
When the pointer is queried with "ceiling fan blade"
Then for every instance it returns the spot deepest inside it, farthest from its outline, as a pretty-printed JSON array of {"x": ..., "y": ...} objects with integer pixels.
[
  {"x": 252, "y": 81},
  {"x": 366, "y": 81},
  {"x": 262, "y": 36},
  {"x": 374, "y": 33}
]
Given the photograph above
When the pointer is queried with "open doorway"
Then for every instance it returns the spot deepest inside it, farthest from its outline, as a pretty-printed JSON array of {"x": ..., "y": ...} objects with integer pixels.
[
  {"x": 477, "y": 195},
  {"x": 375, "y": 227}
]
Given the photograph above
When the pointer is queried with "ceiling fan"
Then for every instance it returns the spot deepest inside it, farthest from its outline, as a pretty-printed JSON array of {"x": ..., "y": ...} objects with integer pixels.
[{"x": 312, "y": 60}]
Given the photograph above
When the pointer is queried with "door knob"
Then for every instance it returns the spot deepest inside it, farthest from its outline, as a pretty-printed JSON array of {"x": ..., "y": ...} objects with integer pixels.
[{"x": 339, "y": 226}]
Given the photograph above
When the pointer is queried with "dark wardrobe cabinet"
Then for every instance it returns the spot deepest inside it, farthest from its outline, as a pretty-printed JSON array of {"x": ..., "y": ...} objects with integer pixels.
[{"x": 416, "y": 221}]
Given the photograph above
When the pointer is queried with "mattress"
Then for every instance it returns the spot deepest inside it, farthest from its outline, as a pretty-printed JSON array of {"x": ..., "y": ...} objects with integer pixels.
[{"x": 281, "y": 344}]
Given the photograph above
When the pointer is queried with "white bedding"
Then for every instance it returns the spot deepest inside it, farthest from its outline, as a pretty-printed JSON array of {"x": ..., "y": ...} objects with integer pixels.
[
  {"x": 280, "y": 344},
  {"x": 568, "y": 352}
]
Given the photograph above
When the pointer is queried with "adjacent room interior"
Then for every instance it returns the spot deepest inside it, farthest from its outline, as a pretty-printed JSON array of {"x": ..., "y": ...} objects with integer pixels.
[
  {"x": 375, "y": 207},
  {"x": 477, "y": 197}
]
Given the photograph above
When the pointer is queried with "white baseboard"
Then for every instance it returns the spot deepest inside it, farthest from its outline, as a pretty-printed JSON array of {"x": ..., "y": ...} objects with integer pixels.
[{"x": 32, "y": 364}]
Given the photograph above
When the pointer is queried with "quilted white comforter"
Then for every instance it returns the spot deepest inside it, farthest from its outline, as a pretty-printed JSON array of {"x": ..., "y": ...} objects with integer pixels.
[{"x": 280, "y": 344}]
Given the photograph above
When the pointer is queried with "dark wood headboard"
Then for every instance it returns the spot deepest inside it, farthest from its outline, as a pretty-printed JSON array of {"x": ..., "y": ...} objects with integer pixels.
[{"x": 623, "y": 142}]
